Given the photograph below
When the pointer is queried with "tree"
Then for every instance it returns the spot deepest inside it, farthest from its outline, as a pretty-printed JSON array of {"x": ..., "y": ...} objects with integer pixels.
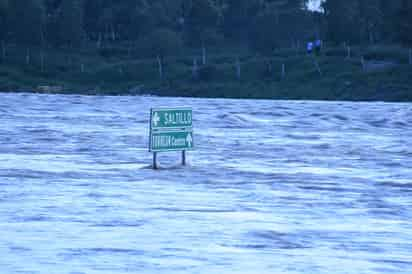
[
  {"x": 142, "y": 22},
  {"x": 237, "y": 17},
  {"x": 202, "y": 19},
  {"x": 3, "y": 19},
  {"x": 162, "y": 43},
  {"x": 405, "y": 22},
  {"x": 388, "y": 28},
  {"x": 71, "y": 23},
  {"x": 92, "y": 12},
  {"x": 26, "y": 21},
  {"x": 368, "y": 21},
  {"x": 341, "y": 19},
  {"x": 281, "y": 24}
]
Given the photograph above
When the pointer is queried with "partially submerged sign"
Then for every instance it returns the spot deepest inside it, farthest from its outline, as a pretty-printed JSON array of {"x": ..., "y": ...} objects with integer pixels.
[
  {"x": 171, "y": 129},
  {"x": 171, "y": 141},
  {"x": 163, "y": 119}
]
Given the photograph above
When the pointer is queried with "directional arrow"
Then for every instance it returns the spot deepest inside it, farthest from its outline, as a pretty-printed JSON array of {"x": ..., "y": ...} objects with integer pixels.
[
  {"x": 156, "y": 119},
  {"x": 189, "y": 139}
]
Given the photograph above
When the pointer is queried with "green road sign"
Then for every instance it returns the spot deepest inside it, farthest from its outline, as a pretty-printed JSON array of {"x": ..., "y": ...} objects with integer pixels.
[
  {"x": 171, "y": 130},
  {"x": 171, "y": 118},
  {"x": 171, "y": 141}
]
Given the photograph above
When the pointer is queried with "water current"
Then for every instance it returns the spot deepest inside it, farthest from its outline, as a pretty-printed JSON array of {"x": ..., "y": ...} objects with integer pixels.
[{"x": 272, "y": 187}]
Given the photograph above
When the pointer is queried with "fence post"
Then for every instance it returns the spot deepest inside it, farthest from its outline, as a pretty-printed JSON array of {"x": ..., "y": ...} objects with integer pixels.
[
  {"x": 3, "y": 49},
  {"x": 317, "y": 67},
  {"x": 349, "y": 53},
  {"x": 194, "y": 68},
  {"x": 238, "y": 69},
  {"x": 99, "y": 41},
  {"x": 113, "y": 35},
  {"x": 82, "y": 68},
  {"x": 183, "y": 157},
  {"x": 203, "y": 55},
  {"x": 42, "y": 61},
  {"x": 70, "y": 62},
  {"x": 27, "y": 56},
  {"x": 410, "y": 56},
  {"x": 363, "y": 63},
  {"x": 159, "y": 63},
  {"x": 297, "y": 47},
  {"x": 269, "y": 67},
  {"x": 283, "y": 71},
  {"x": 129, "y": 50},
  {"x": 155, "y": 160}
]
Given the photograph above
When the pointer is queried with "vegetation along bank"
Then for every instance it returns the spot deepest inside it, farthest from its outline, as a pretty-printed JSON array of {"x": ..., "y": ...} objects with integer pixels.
[{"x": 206, "y": 48}]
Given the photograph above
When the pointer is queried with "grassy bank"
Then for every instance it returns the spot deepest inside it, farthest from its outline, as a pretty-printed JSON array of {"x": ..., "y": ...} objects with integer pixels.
[{"x": 376, "y": 73}]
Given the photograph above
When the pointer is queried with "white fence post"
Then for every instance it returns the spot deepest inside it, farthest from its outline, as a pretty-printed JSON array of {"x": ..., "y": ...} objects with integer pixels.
[
  {"x": 99, "y": 41},
  {"x": 159, "y": 63},
  {"x": 42, "y": 61},
  {"x": 3, "y": 49},
  {"x": 363, "y": 63},
  {"x": 203, "y": 55},
  {"x": 27, "y": 56},
  {"x": 269, "y": 67},
  {"x": 238, "y": 69},
  {"x": 195, "y": 68},
  {"x": 317, "y": 67}
]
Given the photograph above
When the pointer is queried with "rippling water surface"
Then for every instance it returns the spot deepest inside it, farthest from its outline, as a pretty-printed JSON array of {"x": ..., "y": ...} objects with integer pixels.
[{"x": 273, "y": 187}]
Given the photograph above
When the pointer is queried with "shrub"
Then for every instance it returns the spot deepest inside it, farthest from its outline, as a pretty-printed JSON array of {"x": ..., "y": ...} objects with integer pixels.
[
  {"x": 208, "y": 72},
  {"x": 162, "y": 43}
]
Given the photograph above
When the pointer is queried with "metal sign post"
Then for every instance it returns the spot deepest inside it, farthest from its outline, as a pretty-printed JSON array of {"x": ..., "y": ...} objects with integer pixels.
[
  {"x": 154, "y": 160},
  {"x": 171, "y": 129},
  {"x": 183, "y": 157}
]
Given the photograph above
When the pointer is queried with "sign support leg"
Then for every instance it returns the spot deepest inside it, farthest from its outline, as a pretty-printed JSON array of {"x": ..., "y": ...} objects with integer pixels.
[
  {"x": 155, "y": 160},
  {"x": 183, "y": 157}
]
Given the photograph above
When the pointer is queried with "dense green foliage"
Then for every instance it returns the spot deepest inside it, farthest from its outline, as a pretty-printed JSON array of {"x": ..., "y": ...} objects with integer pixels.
[
  {"x": 368, "y": 21},
  {"x": 263, "y": 24},
  {"x": 77, "y": 23}
]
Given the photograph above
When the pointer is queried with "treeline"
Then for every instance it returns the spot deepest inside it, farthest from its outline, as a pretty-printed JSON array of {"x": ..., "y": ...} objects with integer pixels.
[
  {"x": 368, "y": 21},
  {"x": 162, "y": 27}
]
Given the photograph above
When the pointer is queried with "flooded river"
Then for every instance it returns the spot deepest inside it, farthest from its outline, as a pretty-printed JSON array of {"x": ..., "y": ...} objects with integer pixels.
[{"x": 272, "y": 187}]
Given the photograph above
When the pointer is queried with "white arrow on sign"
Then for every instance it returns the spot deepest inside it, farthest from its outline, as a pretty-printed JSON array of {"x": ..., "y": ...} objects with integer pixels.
[
  {"x": 156, "y": 119},
  {"x": 189, "y": 139}
]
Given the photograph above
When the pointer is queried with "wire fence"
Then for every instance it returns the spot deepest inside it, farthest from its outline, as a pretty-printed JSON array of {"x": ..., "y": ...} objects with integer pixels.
[{"x": 219, "y": 66}]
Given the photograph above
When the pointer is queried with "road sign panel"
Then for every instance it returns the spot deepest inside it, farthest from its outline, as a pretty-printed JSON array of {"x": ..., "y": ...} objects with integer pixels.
[
  {"x": 171, "y": 141},
  {"x": 171, "y": 129},
  {"x": 171, "y": 118}
]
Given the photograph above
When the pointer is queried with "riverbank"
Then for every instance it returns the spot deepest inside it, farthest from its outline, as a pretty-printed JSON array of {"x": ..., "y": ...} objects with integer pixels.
[{"x": 378, "y": 73}]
